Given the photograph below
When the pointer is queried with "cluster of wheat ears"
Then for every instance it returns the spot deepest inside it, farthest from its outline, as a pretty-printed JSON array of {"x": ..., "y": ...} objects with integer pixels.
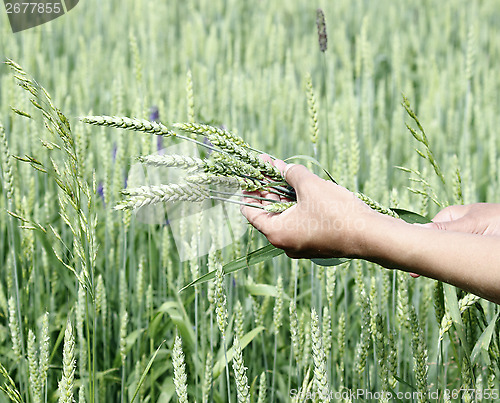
[{"x": 233, "y": 164}]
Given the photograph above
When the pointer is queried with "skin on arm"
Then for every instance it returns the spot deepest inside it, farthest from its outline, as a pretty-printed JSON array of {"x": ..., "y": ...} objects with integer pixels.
[
  {"x": 329, "y": 221},
  {"x": 477, "y": 218}
]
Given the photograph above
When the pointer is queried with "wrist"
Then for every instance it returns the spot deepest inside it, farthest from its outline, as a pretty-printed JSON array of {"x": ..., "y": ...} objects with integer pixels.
[{"x": 370, "y": 241}]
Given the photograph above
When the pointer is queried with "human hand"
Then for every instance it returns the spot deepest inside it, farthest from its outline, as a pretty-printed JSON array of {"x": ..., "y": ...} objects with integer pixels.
[
  {"x": 478, "y": 218},
  {"x": 327, "y": 221}
]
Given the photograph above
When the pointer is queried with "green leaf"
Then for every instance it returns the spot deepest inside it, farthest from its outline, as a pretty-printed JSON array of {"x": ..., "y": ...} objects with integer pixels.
[
  {"x": 245, "y": 340},
  {"x": 483, "y": 343},
  {"x": 410, "y": 216},
  {"x": 180, "y": 319},
  {"x": 260, "y": 255},
  {"x": 167, "y": 391},
  {"x": 450, "y": 295},
  {"x": 401, "y": 380},
  {"x": 146, "y": 370},
  {"x": 329, "y": 262},
  {"x": 264, "y": 290}
]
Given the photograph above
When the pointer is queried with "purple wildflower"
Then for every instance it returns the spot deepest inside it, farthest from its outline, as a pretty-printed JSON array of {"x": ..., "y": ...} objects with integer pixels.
[
  {"x": 100, "y": 191},
  {"x": 208, "y": 143},
  {"x": 154, "y": 113}
]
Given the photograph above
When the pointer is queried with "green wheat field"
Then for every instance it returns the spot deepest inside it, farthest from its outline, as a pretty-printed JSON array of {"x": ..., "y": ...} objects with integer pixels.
[{"x": 90, "y": 308}]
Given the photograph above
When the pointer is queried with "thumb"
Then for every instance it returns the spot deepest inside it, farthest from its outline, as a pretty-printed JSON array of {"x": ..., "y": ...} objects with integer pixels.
[
  {"x": 460, "y": 225},
  {"x": 451, "y": 213},
  {"x": 296, "y": 174}
]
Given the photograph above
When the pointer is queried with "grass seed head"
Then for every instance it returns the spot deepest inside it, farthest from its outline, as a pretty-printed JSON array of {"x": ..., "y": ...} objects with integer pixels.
[
  {"x": 141, "y": 125},
  {"x": 242, "y": 388},
  {"x": 180, "y": 376},
  {"x": 173, "y": 160},
  {"x": 220, "y": 300},
  {"x": 207, "y": 383},
  {"x": 123, "y": 336},
  {"x": 262, "y": 388},
  {"x": 294, "y": 331},
  {"x": 278, "y": 306},
  {"x": 277, "y": 208},
  {"x": 148, "y": 195},
  {"x": 15, "y": 331},
  {"x": 8, "y": 180},
  {"x": 33, "y": 368},
  {"x": 44, "y": 350},
  {"x": 207, "y": 130},
  {"x": 66, "y": 384},
  {"x": 321, "y": 25},
  {"x": 320, "y": 374}
]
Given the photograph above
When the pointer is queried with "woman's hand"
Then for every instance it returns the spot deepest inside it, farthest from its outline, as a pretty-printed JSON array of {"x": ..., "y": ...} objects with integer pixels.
[
  {"x": 479, "y": 218},
  {"x": 327, "y": 221}
]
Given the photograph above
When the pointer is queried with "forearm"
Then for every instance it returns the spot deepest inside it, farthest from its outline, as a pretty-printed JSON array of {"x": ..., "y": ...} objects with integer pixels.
[{"x": 468, "y": 261}]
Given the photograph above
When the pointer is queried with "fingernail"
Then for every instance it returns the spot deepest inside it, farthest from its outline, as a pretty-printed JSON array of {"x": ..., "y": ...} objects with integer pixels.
[{"x": 287, "y": 167}]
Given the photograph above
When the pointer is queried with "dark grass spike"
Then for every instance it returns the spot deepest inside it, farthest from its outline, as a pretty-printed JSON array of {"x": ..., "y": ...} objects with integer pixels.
[{"x": 321, "y": 24}]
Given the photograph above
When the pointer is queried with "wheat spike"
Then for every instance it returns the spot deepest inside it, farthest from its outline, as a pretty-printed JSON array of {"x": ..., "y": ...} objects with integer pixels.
[
  {"x": 147, "y": 195},
  {"x": 180, "y": 376},
  {"x": 173, "y": 160},
  {"x": 141, "y": 125}
]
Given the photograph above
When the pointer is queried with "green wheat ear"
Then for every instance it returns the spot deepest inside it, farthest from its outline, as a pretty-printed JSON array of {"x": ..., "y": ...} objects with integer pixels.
[
  {"x": 180, "y": 376},
  {"x": 140, "y": 125},
  {"x": 66, "y": 384},
  {"x": 242, "y": 388},
  {"x": 207, "y": 130},
  {"x": 313, "y": 113},
  {"x": 421, "y": 137}
]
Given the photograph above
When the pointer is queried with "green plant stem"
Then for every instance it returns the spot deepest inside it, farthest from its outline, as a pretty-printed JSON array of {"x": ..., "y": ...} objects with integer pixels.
[
  {"x": 89, "y": 348},
  {"x": 227, "y": 371},
  {"x": 274, "y": 366},
  {"x": 244, "y": 195},
  {"x": 18, "y": 300},
  {"x": 238, "y": 202},
  {"x": 124, "y": 264},
  {"x": 196, "y": 333},
  {"x": 327, "y": 132},
  {"x": 122, "y": 386}
]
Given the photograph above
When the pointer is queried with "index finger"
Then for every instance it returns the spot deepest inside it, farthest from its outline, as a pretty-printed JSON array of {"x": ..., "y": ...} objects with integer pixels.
[
  {"x": 451, "y": 213},
  {"x": 259, "y": 218}
]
